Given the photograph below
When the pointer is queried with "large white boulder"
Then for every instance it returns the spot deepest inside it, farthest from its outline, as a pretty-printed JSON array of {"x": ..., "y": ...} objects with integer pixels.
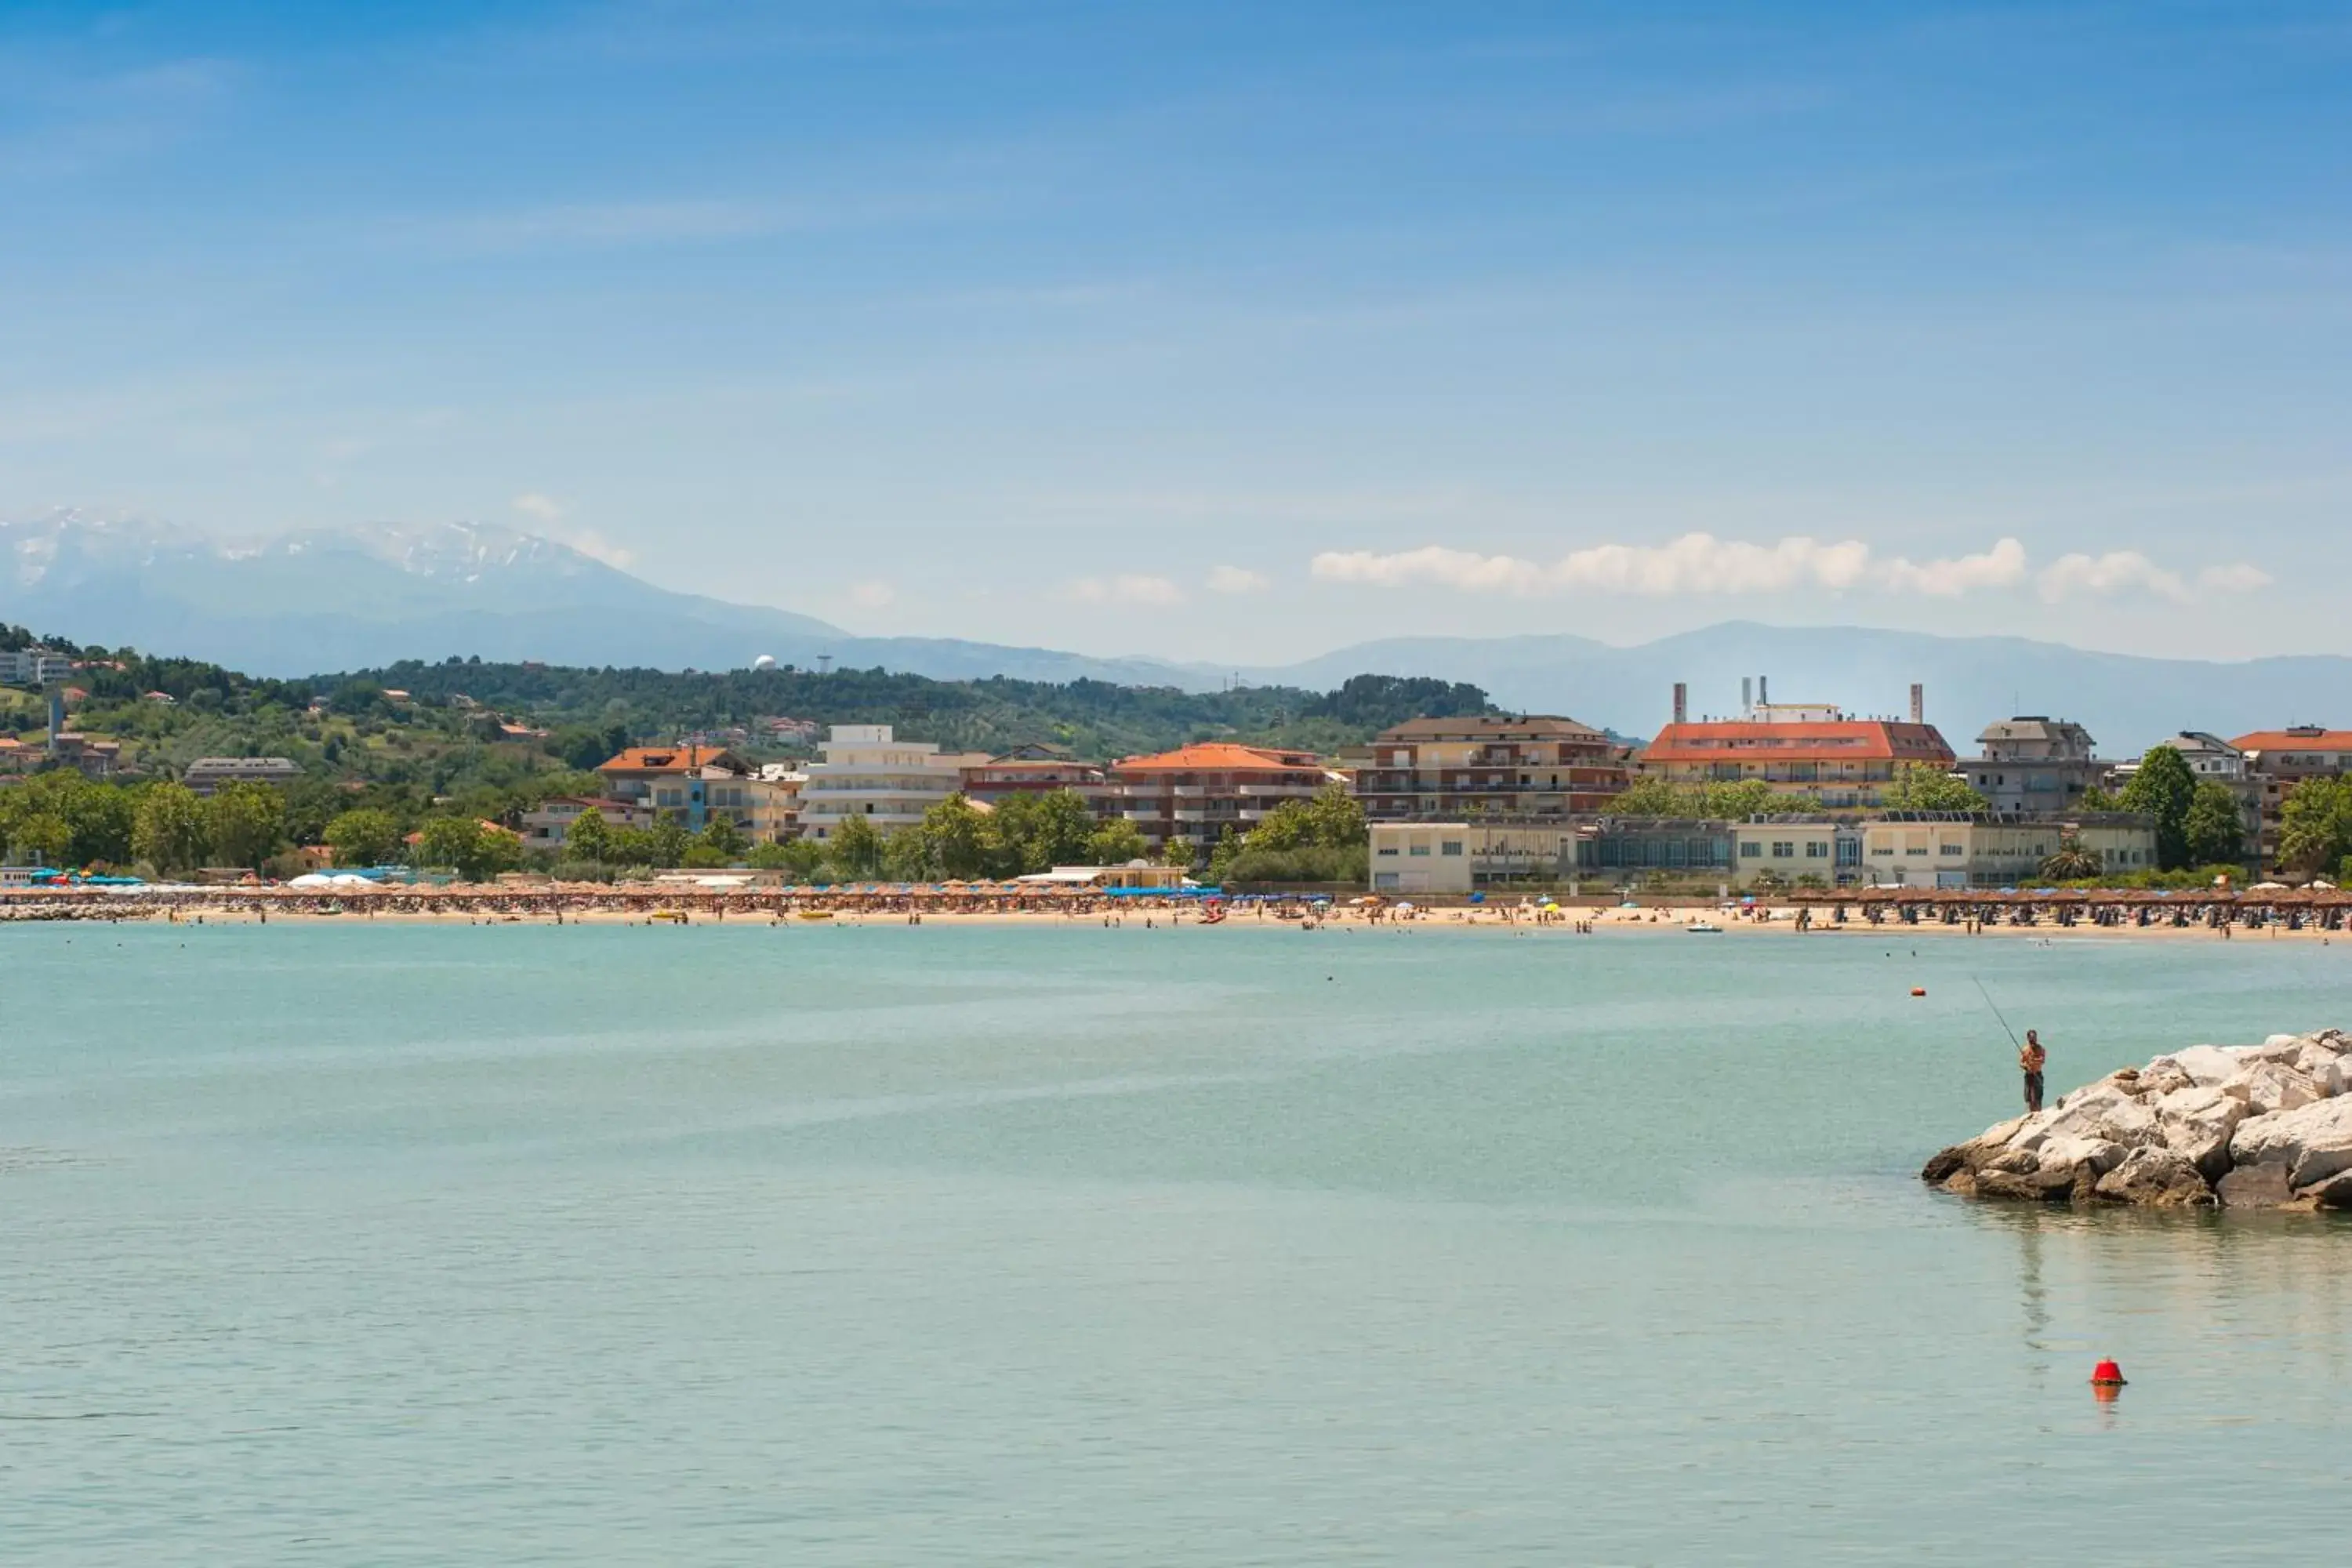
[
  {"x": 2270, "y": 1086},
  {"x": 2067, "y": 1153},
  {"x": 2203, "y": 1065},
  {"x": 2196, "y": 1124},
  {"x": 2322, "y": 1063},
  {"x": 2310, "y": 1142}
]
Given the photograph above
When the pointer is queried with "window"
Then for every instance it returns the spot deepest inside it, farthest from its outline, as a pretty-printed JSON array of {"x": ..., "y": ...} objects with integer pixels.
[
  {"x": 1817, "y": 850},
  {"x": 1450, "y": 847},
  {"x": 1419, "y": 849},
  {"x": 1386, "y": 850},
  {"x": 1951, "y": 851},
  {"x": 1751, "y": 849},
  {"x": 1784, "y": 849}
]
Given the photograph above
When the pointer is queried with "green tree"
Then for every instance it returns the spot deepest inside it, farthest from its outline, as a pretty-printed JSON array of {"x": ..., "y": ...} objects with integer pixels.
[
  {"x": 476, "y": 852},
  {"x": 2097, "y": 799},
  {"x": 667, "y": 841},
  {"x": 2215, "y": 829},
  {"x": 447, "y": 842},
  {"x": 1115, "y": 843},
  {"x": 42, "y": 837},
  {"x": 246, "y": 823},
  {"x": 1919, "y": 787},
  {"x": 170, "y": 832},
  {"x": 855, "y": 848},
  {"x": 1177, "y": 852},
  {"x": 2164, "y": 788},
  {"x": 1653, "y": 797},
  {"x": 590, "y": 837},
  {"x": 907, "y": 855},
  {"x": 102, "y": 816},
  {"x": 797, "y": 856},
  {"x": 2072, "y": 863},
  {"x": 962, "y": 838},
  {"x": 1036, "y": 831},
  {"x": 2315, "y": 826},
  {"x": 721, "y": 837},
  {"x": 1739, "y": 802},
  {"x": 366, "y": 836}
]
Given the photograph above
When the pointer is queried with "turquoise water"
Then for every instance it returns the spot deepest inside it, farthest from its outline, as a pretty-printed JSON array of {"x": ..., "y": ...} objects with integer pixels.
[{"x": 351, "y": 1244}]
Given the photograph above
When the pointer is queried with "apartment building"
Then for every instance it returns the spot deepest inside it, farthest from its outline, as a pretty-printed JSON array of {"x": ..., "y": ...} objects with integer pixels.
[
  {"x": 1814, "y": 754},
  {"x": 1196, "y": 793},
  {"x": 2278, "y": 760},
  {"x": 1446, "y": 769},
  {"x": 547, "y": 824},
  {"x": 675, "y": 780},
  {"x": 34, "y": 666},
  {"x": 865, "y": 770},
  {"x": 2034, "y": 765},
  {"x": 1039, "y": 770},
  {"x": 207, "y": 774}
]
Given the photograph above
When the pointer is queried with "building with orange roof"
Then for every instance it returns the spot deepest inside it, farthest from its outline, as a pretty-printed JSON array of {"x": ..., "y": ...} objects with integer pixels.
[
  {"x": 1195, "y": 794},
  {"x": 1814, "y": 754},
  {"x": 678, "y": 779},
  {"x": 2278, "y": 760}
]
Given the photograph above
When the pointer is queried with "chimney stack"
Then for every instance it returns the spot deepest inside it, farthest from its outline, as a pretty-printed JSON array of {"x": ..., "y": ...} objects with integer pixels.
[
  {"x": 1682, "y": 703},
  {"x": 57, "y": 716},
  {"x": 1763, "y": 691},
  {"x": 1746, "y": 696},
  {"x": 1918, "y": 703}
]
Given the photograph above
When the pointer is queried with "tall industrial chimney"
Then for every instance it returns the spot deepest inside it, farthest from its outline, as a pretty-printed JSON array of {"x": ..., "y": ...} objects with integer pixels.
[
  {"x": 1682, "y": 703},
  {"x": 57, "y": 716},
  {"x": 1746, "y": 696},
  {"x": 1763, "y": 691},
  {"x": 1918, "y": 703}
]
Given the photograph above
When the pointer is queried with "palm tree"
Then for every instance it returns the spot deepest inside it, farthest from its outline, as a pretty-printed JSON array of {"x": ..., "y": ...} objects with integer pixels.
[{"x": 2072, "y": 863}]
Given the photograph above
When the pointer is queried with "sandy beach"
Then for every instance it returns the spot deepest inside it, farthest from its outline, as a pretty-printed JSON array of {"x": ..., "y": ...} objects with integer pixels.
[{"x": 817, "y": 911}]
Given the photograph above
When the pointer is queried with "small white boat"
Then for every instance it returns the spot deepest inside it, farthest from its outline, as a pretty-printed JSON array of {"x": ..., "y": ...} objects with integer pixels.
[{"x": 1703, "y": 928}]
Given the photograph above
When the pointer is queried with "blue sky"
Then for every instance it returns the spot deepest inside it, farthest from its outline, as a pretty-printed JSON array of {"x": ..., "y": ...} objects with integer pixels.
[{"x": 1226, "y": 332}]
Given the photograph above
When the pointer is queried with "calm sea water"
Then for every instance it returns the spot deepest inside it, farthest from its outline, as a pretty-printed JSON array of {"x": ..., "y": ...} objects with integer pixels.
[{"x": 376, "y": 1245}]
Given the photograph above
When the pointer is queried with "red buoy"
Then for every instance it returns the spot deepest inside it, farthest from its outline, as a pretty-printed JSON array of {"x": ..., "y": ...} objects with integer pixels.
[
  {"x": 1918, "y": 991},
  {"x": 2106, "y": 1375}
]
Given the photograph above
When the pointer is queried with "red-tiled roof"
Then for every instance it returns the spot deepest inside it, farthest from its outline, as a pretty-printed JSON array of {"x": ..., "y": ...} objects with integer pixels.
[
  {"x": 1220, "y": 756},
  {"x": 1877, "y": 739},
  {"x": 2308, "y": 740},
  {"x": 666, "y": 759}
]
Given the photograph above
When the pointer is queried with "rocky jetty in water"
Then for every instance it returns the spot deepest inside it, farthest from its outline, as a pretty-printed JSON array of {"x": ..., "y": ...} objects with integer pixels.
[{"x": 2267, "y": 1126}]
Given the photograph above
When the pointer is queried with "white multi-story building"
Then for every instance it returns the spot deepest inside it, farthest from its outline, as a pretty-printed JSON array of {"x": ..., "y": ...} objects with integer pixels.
[
  {"x": 867, "y": 772},
  {"x": 34, "y": 666}
]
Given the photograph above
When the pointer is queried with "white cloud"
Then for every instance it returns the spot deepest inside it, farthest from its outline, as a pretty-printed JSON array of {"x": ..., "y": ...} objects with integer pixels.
[
  {"x": 2238, "y": 577},
  {"x": 1238, "y": 580},
  {"x": 872, "y": 595},
  {"x": 2116, "y": 571},
  {"x": 545, "y": 508},
  {"x": 1127, "y": 588},
  {"x": 2002, "y": 567},
  {"x": 1693, "y": 564}
]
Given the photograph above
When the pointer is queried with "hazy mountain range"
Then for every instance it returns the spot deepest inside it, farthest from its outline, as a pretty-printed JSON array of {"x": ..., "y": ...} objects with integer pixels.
[{"x": 327, "y": 600}]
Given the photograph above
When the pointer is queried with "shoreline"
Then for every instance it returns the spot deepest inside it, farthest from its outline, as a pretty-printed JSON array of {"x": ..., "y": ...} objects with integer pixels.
[{"x": 607, "y": 908}]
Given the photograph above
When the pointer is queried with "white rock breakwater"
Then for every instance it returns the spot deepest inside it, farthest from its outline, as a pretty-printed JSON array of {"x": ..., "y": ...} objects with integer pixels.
[{"x": 2267, "y": 1126}]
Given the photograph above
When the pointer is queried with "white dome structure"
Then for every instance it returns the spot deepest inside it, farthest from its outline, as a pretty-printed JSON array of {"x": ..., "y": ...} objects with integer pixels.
[{"x": 765, "y": 661}]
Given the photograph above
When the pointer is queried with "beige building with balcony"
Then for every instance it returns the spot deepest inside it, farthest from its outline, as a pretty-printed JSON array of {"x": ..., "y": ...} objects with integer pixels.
[{"x": 1195, "y": 794}]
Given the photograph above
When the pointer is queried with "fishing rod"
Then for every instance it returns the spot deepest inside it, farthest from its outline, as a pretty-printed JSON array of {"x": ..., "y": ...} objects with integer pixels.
[{"x": 1997, "y": 1013}]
